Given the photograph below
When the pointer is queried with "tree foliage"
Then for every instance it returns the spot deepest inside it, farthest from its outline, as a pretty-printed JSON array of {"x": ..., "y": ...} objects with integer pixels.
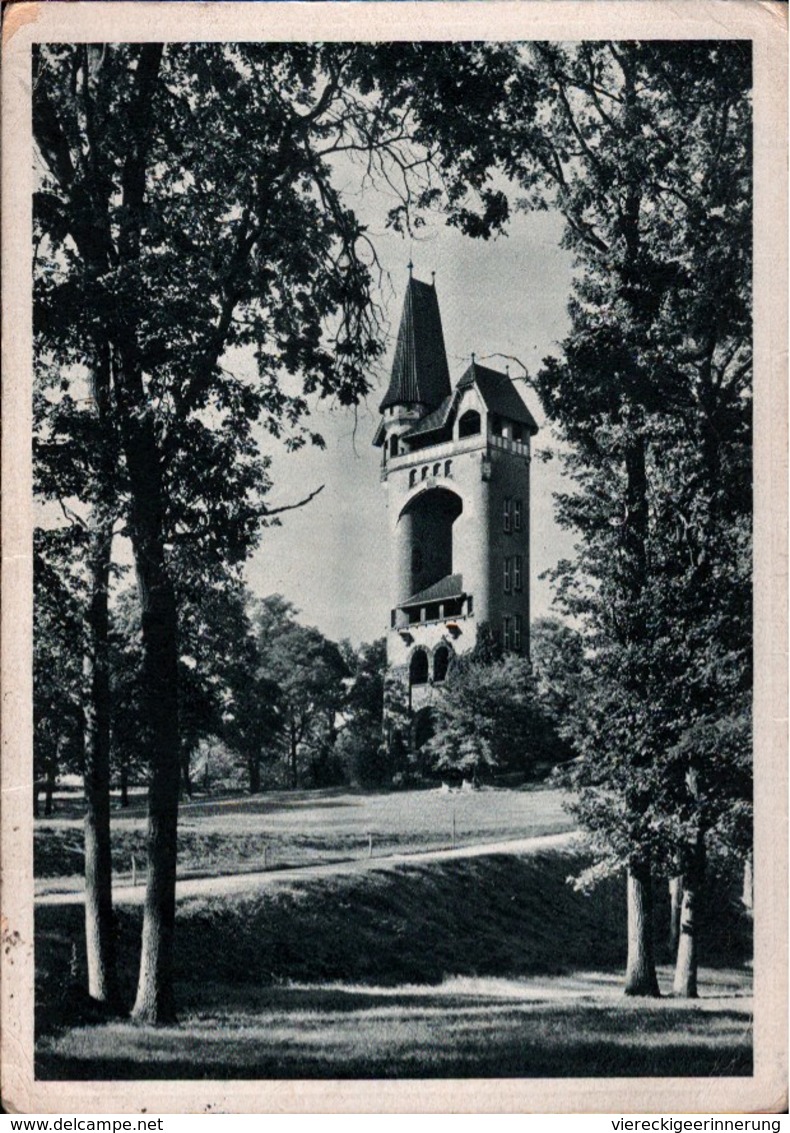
[
  {"x": 487, "y": 717},
  {"x": 645, "y": 148},
  {"x": 308, "y": 671},
  {"x": 57, "y": 666},
  {"x": 361, "y": 746},
  {"x": 195, "y": 255}
]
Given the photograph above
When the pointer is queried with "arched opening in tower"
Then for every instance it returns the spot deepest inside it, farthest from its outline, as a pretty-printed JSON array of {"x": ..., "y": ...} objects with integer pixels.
[
  {"x": 441, "y": 663},
  {"x": 469, "y": 424},
  {"x": 425, "y": 540},
  {"x": 418, "y": 668}
]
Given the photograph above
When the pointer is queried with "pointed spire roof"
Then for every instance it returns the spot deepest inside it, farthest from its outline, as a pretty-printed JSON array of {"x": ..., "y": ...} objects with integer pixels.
[{"x": 419, "y": 371}]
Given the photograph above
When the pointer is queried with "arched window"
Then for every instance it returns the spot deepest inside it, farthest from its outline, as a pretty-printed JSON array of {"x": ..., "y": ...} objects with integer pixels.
[
  {"x": 418, "y": 668},
  {"x": 441, "y": 662},
  {"x": 469, "y": 424},
  {"x": 412, "y": 477},
  {"x": 394, "y": 445},
  {"x": 448, "y": 467},
  {"x": 437, "y": 469}
]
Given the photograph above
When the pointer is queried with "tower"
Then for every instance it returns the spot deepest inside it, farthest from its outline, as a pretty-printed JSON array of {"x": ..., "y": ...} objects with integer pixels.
[{"x": 456, "y": 468}]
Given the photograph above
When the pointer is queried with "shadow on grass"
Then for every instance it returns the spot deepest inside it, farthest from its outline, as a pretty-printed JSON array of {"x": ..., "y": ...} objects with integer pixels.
[
  {"x": 396, "y": 935},
  {"x": 498, "y": 915},
  {"x": 358, "y": 1033}
]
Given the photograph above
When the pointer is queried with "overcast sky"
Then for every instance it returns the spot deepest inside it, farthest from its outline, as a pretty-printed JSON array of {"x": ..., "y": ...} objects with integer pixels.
[{"x": 507, "y": 295}]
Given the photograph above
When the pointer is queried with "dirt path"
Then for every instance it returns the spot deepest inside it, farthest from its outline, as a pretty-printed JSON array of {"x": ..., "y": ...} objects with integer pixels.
[{"x": 250, "y": 882}]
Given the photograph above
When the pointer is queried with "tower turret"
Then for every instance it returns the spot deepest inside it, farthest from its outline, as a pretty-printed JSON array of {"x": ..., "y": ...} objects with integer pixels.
[{"x": 420, "y": 379}]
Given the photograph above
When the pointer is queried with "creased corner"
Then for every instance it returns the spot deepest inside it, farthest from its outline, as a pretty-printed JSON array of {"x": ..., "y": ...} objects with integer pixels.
[{"x": 18, "y": 16}]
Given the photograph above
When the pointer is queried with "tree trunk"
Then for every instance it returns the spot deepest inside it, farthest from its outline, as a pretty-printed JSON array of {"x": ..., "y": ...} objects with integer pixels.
[
  {"x": 675, "y": 902},
  {"x": 147, "y": 530},
  {"x": 155, "y": 1001},
  {"x": 685, "y": 983},
  {"x": 294, "y": 764},
  {"x": 186, "y": 776},
  {"x": 124, "y": 784},
  {"x": 254, "y": 765},
  {"x": 49, "y": 784},
  {"x": 640, "y": 976},
  {"x": 748, "y": 885},
  {"x": 99, "y": 928},
  {"x": 36, "y": 793}
]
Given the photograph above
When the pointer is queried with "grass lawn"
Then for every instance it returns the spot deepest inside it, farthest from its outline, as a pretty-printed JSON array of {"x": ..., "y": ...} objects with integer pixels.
[
  {"x": 485, "y": 966},
  {"x": 573, "y": 1026},
  {"x": 305, "y": 827}
]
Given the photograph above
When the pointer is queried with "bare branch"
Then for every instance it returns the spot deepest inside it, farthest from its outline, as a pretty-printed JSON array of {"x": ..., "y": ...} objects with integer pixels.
[{"x": 292, "y": 507}]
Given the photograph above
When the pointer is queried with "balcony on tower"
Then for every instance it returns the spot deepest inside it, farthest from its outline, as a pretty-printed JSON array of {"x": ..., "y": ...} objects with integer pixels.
[{"x": 444, "y": 601}]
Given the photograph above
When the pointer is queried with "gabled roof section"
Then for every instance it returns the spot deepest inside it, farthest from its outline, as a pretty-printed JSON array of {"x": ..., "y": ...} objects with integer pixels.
[
  {"x": 434, "y": 421},
  {"x": 451, "y": 586},
  {"x": 419, "y": 370},
  {"x": 498, "y": 393}
]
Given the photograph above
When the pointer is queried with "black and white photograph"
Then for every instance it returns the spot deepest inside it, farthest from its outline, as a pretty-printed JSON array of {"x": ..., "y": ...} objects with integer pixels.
[{"x": 393, "y": 582}]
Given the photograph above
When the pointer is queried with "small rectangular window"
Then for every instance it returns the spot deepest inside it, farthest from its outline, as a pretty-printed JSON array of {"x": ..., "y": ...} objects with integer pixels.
[
  {"x": 506, "y": 633},
  {"x": 506, "y": 575},
  {"x": 517, "y": 632},
  {"x": 516, "y": 515},
  {"x": 517, "y": 573},
  {"x": 392, "y": 619},
  {"x": 518, "y": 432},
  {"x": 470, "y": 605},
  {"x": 506, "y": 515}
]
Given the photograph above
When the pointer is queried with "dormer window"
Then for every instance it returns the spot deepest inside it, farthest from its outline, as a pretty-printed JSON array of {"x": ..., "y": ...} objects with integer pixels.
[
  {"x": 394, "y": 445},
  {"x": 469, "y": 424}
]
